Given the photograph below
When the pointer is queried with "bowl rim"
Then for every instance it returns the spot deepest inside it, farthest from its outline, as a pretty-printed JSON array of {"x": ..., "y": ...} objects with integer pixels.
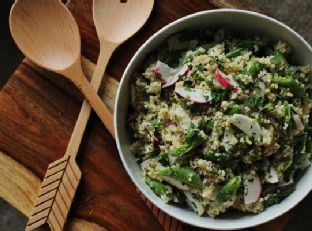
[{"x": 122, "y": 156}]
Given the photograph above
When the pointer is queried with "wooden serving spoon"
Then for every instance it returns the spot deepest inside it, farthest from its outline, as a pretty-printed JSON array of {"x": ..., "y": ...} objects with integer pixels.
[
  {"x": 63, "y": 176},
  {"x": 115, "y": 22},
  {"x": 47, "y": 33}
]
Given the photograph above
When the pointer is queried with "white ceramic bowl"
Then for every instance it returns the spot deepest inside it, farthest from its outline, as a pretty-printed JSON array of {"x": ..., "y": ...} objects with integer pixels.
[{"x": 248, "y": 23}]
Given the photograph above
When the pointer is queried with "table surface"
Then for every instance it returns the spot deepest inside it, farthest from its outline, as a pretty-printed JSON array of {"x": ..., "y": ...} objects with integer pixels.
[{"x": 90, "y": 50}]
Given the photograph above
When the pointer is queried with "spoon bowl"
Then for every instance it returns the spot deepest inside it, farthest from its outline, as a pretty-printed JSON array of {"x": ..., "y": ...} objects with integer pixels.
[
  {"x": 62, "y": 49},
  {"x": 127, "y": 15},
  {"x": 47, "y": 33}
]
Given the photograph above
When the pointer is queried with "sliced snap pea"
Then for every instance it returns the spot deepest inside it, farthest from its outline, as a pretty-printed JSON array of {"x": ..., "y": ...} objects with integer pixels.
[
  {"x": 192, "y": 138},
  {"x": 183, "y": 149},
  {"x": 185, "y": 175},
  {"x": 287, "y": 115},
  {"x": 228, "y": 190},
  {"x": 158, "y": 188},
  {"x": 165, "y": 172},
  {"x": 289, "y": 82},
  {"x": 234, "y": 53}
]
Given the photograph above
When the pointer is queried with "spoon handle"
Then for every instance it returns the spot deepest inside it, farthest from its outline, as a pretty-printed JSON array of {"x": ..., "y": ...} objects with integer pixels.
[{"x": 72, "y": 148}]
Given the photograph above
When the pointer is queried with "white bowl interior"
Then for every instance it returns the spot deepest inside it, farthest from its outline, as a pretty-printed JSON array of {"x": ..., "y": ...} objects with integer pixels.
[{"x": 247, "y": 23}]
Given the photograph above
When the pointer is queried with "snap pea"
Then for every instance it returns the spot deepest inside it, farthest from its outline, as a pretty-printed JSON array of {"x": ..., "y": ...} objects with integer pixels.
[
  {"x": 289, "y": 82},
  {"x": 183, "y": 149},
  {"x": 158, "y": 188},
  {"x": 228, "y": 191},
  {"x": 234, "y": 53},
  {"x": 287, "y": 115},
  {"x": 193, "y": 140},
  {"x": 185, "y": 175}
]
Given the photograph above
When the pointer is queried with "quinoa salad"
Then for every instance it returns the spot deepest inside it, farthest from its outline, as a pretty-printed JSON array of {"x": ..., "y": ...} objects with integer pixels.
[{"x": 220, "y": 122}]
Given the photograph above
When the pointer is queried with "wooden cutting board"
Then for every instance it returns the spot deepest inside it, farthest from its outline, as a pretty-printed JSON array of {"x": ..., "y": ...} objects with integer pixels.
[{"x": 38, "y": 113}]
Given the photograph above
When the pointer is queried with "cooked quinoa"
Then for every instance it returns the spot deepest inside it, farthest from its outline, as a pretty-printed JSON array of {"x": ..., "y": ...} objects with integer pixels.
[{"x": 221, "y": 122}]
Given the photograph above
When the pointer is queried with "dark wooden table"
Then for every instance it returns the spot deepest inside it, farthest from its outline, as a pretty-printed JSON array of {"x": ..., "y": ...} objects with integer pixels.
[{"x": 38, "y": 113}]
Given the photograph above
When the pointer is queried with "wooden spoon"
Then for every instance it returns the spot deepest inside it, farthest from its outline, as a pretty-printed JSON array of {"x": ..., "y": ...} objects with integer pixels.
[
  {"x": 46, "y": 32},
  {"x": 115, "y": 22},
  {"x": 63, "y": 176}
]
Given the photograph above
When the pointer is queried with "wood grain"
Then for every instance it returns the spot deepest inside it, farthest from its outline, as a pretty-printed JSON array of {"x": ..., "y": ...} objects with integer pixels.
[
  {"x": 35, "y": 131},
  {"x": 38, "y": 111},
  {"x": 47, "y": 33},
  {"x": 56, "y": 195},
  {"x": 19, "y": 189}
]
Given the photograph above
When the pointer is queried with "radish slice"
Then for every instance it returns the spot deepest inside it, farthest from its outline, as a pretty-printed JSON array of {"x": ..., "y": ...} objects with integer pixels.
[
  {"x": 225, "y": 81},
  {"x": 168, "y": 74},
  {"x": 251, "y": 128},
  {"x": 229, "y": 139},
  {"x": 248, "y": 125},
  {"x": 172, "y": 80},
  {"x": 164, "y": 70},
  {"x": 252, "y": 188},
  {"x": 194, "y": 94},
  {"x": 298, "y": 122},
  {"x": 271, "y": 176}
]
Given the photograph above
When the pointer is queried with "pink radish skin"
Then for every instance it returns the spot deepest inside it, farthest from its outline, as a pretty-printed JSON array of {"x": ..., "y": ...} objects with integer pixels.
[
  {"x": 156, "y": 70},
  {"x": 167, "y": 74},
  {"x": 163, "y": 70},
  {"x": 183, "y": 71},
  {"x": 252, "y": 190},
  {"x": 224, "y": 82}
]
